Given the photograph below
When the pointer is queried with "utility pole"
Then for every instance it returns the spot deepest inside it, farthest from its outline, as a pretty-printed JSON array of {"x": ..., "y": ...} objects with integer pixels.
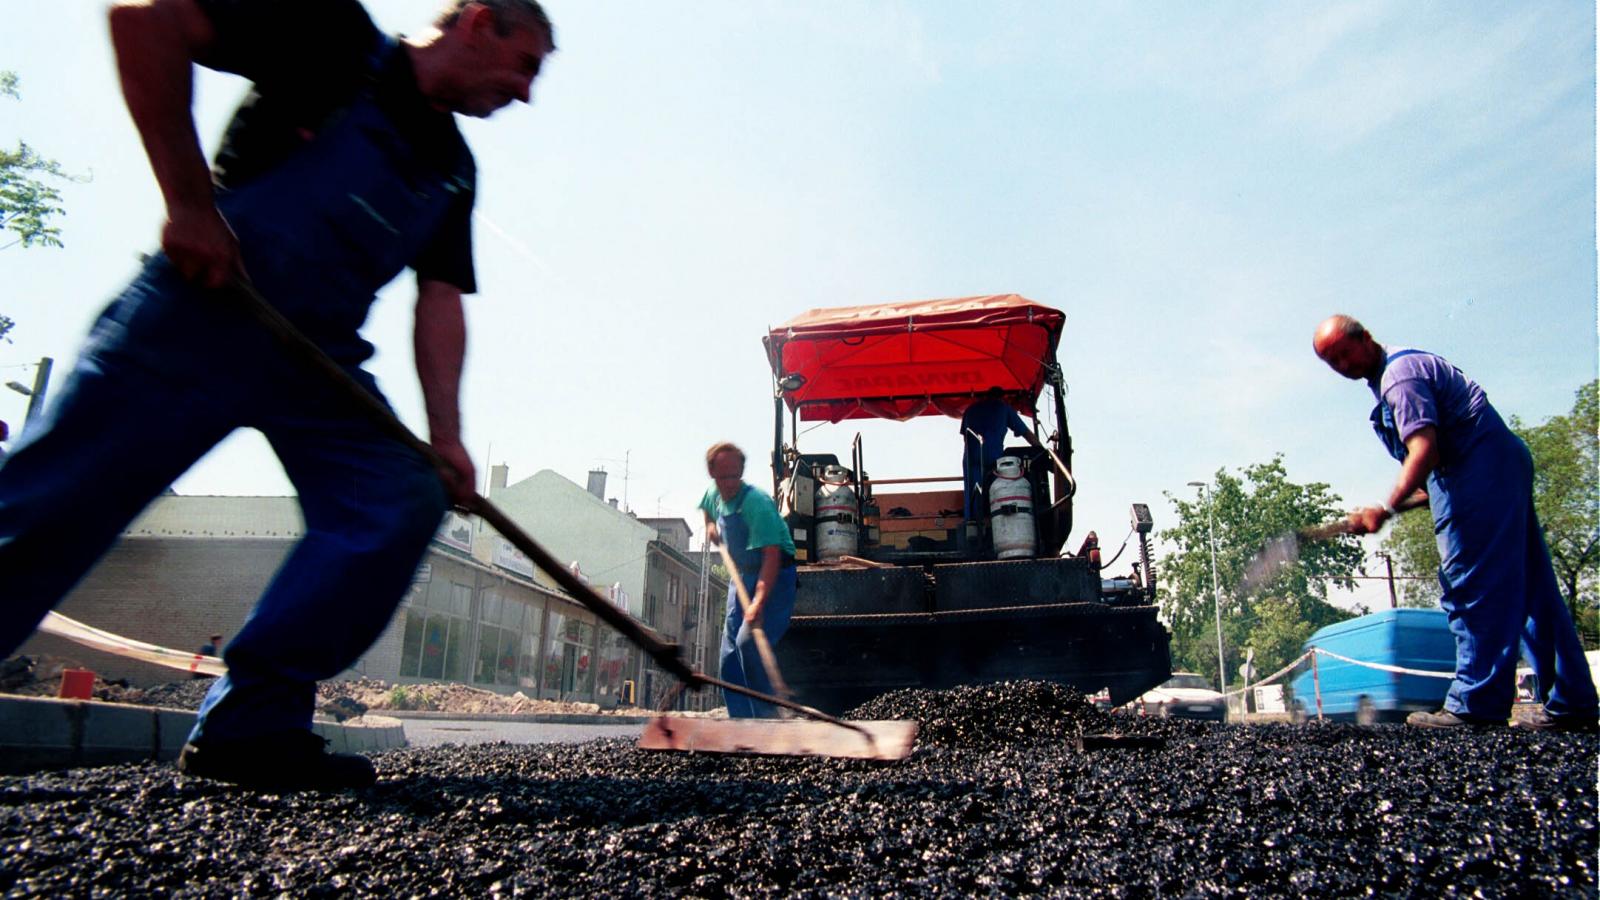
[{"x": 1389, "y": 561}]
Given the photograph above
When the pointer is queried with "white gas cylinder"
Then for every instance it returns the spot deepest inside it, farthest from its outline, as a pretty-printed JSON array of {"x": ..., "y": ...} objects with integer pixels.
[
  {"x": 837, "y": 518},
  {"x": 1011, "y": 511}
]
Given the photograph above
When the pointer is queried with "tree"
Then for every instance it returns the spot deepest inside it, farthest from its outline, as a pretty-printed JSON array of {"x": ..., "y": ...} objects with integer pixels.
[
  {"x": 27, "y": 203},
  {"x": 1566, "y": 477},
  {"x": 1278, "y": 613},
  {"x": 1411, "y": 544}
]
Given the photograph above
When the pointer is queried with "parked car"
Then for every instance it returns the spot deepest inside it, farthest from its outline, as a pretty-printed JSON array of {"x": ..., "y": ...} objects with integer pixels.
[{"x": 1186, "y": 696}]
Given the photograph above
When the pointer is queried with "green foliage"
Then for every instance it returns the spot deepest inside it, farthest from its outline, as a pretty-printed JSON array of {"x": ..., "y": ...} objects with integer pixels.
[
  {"x": 1276, "y": 615},
  {"x": 1566, "y": 493},
  {"x": 1411, "y": 545},
  {"x": 27, "y": 204},
  {"x": 400, "y": 698}
]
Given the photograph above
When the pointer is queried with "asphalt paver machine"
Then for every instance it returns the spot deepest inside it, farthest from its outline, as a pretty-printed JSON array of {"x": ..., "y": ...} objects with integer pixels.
[{"x": 900, "y": 587}]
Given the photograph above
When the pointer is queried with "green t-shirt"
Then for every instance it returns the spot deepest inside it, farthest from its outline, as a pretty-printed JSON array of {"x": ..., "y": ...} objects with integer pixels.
[{"x": 767, "y": 528}]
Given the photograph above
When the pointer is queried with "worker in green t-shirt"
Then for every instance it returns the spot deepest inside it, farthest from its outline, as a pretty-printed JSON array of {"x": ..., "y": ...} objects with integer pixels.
[{"x": 745, "y": 519}]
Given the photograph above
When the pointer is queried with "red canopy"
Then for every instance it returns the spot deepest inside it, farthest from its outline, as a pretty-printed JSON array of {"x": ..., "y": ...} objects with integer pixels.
[{"x": 928, "y": 357}]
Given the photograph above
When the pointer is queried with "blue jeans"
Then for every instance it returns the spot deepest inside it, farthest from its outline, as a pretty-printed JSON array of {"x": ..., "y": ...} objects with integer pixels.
[
  {"x": 1499, "y": 590},
  {"x": 167, "y": 373}
]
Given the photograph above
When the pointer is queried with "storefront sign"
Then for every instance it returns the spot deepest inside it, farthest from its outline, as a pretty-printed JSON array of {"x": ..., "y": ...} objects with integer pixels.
[
  {"x": 455, "y": 532},
  {"x": 508, "y": 557}
]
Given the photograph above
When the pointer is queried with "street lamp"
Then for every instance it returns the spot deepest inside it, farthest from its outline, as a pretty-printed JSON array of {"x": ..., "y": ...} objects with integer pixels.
[{"x": 1216, "y": 586}]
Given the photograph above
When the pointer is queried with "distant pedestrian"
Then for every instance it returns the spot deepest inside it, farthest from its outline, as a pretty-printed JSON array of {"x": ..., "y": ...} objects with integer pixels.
[
  {"x": 744, "y": 518},
  {"x": 211, "y": 648},
  {"x": 1458, "y": 457}
]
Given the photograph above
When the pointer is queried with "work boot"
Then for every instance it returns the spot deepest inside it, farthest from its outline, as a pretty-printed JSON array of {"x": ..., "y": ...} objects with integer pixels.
[
  {"x": 1444, "y": 718},
  {"x": 289, "y": 761},
  {"x": 1541, "y": 720}
]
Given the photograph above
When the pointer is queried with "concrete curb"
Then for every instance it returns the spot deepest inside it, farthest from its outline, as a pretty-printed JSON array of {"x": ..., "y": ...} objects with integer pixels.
[{"x": 46, "y": 733}]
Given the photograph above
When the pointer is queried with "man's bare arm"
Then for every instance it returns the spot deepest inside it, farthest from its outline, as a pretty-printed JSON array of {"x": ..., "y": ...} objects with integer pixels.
[
  {"x": 157, "y": 43},
  {"x": 1422, "y": 456},
  {"x": 440, "y": 344}
]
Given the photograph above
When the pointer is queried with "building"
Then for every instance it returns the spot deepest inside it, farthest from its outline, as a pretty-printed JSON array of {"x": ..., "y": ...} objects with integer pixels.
[{"x": 477, "y": 612}]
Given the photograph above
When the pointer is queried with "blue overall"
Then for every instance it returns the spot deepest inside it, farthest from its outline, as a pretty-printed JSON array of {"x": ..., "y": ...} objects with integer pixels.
[
  {"x": 991, "y": 419},
  {"x": 741, "y": 661},
  {"x": 169, "y": 370},
  {"x": 1495, "y": 574}
]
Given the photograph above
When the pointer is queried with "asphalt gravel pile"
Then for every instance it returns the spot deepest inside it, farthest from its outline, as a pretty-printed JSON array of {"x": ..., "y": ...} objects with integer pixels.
[
  {"x": 1218, "y": 810},
  {"x": 1018, "y": 713}
]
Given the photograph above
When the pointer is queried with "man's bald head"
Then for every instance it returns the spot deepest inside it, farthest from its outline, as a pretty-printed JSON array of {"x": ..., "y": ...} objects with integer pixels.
[{"x": 1348, "y": 348}]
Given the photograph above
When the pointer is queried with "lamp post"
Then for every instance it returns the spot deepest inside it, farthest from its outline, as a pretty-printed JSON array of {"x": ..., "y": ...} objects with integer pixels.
[
  {"x": 1216, "y": 586},
  {"x": 35, "y": 394}
]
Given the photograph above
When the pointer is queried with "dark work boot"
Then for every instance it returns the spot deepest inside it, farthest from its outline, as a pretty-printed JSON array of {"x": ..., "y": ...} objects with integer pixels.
[
  {"x": 1447, "y": 719},
  {"x": 289, "y": 761},
  {"x": 1541, "y": 720}
]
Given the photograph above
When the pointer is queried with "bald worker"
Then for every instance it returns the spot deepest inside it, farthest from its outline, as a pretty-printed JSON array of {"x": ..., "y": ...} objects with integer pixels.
[{"x": 1458, "y": 457}]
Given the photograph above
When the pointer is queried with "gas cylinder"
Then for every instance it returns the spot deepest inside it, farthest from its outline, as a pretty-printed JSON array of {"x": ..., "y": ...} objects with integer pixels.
[
  {"x": 837, "y": 533},
  {"x": 1011, "y": 510},
  {"x": 870, "y": 536}
]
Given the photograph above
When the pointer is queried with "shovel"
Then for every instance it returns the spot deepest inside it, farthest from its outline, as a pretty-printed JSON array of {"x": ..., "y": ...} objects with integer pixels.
[
  {"x": 831, "y": 736},
  {"x": 1284, "y": 550}
]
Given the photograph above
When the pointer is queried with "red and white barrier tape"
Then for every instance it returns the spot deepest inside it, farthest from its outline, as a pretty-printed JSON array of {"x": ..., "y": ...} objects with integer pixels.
[{"x": 117, "y": 645}]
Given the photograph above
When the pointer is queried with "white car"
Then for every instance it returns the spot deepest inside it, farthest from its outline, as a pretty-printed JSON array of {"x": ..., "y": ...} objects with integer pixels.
[{"x": 1186, "y": 696}]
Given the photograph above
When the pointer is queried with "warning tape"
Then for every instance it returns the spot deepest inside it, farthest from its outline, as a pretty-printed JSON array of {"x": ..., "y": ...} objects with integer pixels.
[
  {"x": 1274, "y": 676},
  {"x": 1384, "y": 667},
  {"x": 117, "y": 645}
]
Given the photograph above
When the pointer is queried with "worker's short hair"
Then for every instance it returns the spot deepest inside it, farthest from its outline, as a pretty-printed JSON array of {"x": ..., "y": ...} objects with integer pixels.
[
  {"x": 508, "y": 14},
  {"x": 723, "y": 447},
  {"x": 1348, "y": 326}
]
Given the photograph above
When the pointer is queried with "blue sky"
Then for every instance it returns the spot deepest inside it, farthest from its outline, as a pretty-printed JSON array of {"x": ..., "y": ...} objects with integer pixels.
[{"x": 1194, "y": 184}]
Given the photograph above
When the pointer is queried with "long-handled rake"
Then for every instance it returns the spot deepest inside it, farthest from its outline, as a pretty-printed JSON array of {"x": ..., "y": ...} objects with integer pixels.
[{"x": 823, "y": 735}]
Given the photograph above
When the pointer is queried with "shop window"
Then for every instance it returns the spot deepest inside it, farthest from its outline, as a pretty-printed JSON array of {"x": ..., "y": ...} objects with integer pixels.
[
  {"x": 454, "y": 653},
  {"x": 411, "y": 643},
  {"x": 506, "y": 664},
  {"x": 488, "y": 654}
]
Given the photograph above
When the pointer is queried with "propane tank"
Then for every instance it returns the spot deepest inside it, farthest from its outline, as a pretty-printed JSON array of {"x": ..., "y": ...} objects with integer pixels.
[
  {"x": 1011, "y": 510},
  {"x": 836, "y": 514}
]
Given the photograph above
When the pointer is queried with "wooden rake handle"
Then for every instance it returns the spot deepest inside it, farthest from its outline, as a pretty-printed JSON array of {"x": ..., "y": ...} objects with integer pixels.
[{"x": 664, "y": 654}]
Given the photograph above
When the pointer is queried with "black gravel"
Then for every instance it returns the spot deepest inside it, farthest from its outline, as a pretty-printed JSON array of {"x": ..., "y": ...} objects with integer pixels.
[{"x": 992, "y": 803}]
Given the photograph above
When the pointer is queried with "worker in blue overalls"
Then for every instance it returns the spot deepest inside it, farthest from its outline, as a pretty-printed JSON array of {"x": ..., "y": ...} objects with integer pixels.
[
  {"x": 342, "y": 167},
  {"x": 744, "y": 519},
  {"x": 1460, "y": 459},
  {"x": 983, "y": 433}
]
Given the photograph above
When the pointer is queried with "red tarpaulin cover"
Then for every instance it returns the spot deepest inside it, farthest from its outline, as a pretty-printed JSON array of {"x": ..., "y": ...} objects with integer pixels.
[{"x": 927, "y": 357}]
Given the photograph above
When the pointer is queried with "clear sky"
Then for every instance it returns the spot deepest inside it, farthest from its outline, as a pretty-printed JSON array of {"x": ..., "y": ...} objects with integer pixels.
[{"x": 1195, "y": 184}]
